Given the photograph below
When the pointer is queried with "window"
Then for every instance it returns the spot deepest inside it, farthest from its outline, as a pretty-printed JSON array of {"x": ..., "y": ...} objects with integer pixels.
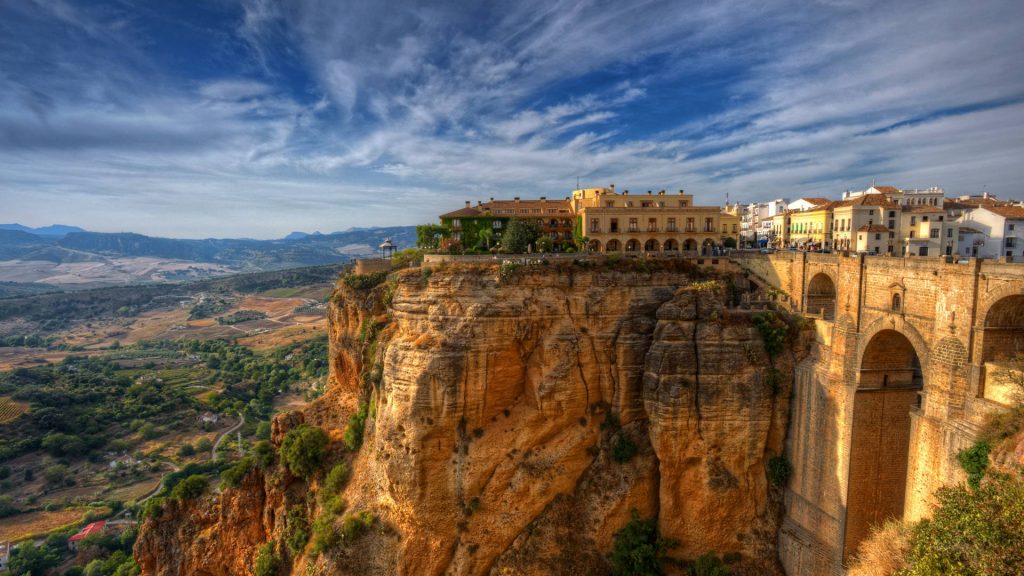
[
  {"x": 633, "y": 227},
  {"x": 683, "y": 203},
  {"x": 1011, "y": 226},
  {"x": 671, "y": 225},
  {"x": 652, "y": 224},
  {"x": 1011, "y": 242},
  {"x": 935, "y": 233},
  {"x": 609, "y": 203},
  {"x": 871, "y": 212},
  {"x": 892, "y": 213},
  {"x": 892, "y": 235},
  {"x": 661, "y": 204},
  {"x": 892, "y": 223},
  {"x": 690, "y": 225},
  {"x": 733, "y": 228},
  {"x": 949, "y": 232},
  {"x": 456, "y": 236},
  {"x": 629, "y": 203},
  {"x": 709, "y": 224},
  {"x": 496, "y": 224},
  {"x": 595, "y": 225},
  {"x": 878, "y": 236},
  {"x": 911, "y": 233},
  {"x": 615, "y": 225},
  {"x": 646, "y": 204},
  {"x": 896, "y": 302},
  {"x": 456, "y": 224},
  {"x": 913, "y": 220},
  {"x": 924, "y": 218}
]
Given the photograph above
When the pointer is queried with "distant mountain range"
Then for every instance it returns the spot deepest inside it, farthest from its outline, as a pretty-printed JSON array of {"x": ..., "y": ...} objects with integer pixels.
[
  {"x": 66, "y": 245},
  {"x": 57, "y": 230}
]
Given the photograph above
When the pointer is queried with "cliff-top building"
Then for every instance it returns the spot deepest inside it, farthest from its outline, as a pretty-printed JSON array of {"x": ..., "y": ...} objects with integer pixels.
[
  {"x": 651, "y": 223},
  {"x": 556, "y": 219}
]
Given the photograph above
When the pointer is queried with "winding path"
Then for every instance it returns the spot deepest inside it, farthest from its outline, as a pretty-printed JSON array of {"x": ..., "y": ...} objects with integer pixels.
[
  {"x": 160, "y": 484},
  {"x": 213, "y": 451}
]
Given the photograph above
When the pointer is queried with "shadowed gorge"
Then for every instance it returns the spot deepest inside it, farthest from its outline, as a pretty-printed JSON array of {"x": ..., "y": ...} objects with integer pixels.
[{"x": 513, "y": 419}]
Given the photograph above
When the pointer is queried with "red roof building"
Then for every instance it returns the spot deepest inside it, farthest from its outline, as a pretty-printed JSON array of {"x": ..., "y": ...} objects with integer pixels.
[{"x": 90, "y": 529}]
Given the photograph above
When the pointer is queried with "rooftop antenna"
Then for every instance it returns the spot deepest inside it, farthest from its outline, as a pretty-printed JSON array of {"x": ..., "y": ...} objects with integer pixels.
[{"x": 577, "y": 182}]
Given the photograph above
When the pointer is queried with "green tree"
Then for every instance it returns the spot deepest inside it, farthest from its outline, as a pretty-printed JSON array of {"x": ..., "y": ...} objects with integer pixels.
[
  {"x": 303, "y": 449},
  {"x": 972, "y": 531},
  {"x": 191, "y": 487},
  {"x": 638, "y": 549},
  {"x": 486, "y": 236},
  {"x": 32, "y": 560},
  {"x": 520, "y": 235},
  {"x": 429, "y": 236}
]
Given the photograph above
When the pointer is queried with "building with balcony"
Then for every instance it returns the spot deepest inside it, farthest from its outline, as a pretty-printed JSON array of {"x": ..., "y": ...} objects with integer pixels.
[
  {"x": 468, "y": 223},
  {"x": 651, "y": 223}
]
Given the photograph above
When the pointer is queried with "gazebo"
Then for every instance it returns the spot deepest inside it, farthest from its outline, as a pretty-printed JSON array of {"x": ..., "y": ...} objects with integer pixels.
[{"x": 387, "y": 249}]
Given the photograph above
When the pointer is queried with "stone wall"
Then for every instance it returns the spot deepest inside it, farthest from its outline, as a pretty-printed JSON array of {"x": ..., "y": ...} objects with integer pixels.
[{"x": 838, "y": 434}]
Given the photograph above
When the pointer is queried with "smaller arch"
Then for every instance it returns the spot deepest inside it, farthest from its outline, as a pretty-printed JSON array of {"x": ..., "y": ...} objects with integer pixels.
[
  {"x": 652, "y": 246},
  {"x": 632, "y": 245},
  {"x": 821, "y": 296},
  {"x": 671, "y": 245},
  {"x": 690, "y": 244},
  {"x": 594, "y": 246},
  {"x": 613, "y": 245}
]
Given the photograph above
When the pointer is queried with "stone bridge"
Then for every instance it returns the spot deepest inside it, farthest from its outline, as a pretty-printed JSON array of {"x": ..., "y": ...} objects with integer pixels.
[{"x": 905, "y": 367}]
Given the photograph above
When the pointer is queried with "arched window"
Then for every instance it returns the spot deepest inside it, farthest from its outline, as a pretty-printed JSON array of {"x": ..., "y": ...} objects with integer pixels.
[{"x": 896, "y": 302}]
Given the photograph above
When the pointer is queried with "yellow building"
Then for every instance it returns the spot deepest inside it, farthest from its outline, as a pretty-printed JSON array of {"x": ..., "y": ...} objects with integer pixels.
[
  {"x": 651, "y": 222},
  {"x": 809, "y": 229}
]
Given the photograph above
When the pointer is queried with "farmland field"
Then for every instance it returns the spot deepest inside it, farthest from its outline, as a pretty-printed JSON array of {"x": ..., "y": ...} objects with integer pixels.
[
  {"x": 10, "y": 409},
  {"x": 38, "y": 523}
]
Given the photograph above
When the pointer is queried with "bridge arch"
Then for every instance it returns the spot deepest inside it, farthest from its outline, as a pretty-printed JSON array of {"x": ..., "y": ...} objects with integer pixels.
[
  {"x": 889, "y": 379},
  {"x": 1002, "y": 348},
  {"x": 821, "y": 296}
]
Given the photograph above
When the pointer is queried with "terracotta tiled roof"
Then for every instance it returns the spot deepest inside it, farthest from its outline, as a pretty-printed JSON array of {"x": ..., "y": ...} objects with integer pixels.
[
  {"x": 955, "y": 205},
  {"x": 816, "y": 201},
  {"x": 873, "y": 228},
  {"x": 887, "y": 189},
  {"x": 1011, "y": 212},
  {"x": 89, "y": 530},
  {"x": 467, "y": 212},
  {"x": 879, "y": 200}
]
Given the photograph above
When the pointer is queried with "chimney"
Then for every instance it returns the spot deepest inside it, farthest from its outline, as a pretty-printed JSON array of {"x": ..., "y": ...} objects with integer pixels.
[
  {"x": 516, "y": 199},
  {"x": 680, "y": 190},
  {"x": 661, "y": 193},
  {"x": 612, "y": 188},
  {"x": 479, "y": 203},
  {"x": 625, "y": 192},
  {"x": 543, "y": 198},
  {"x": 467, "y": 203},
  {"x": 649, "y": 192},
  {"x": 492, "y": 198}
]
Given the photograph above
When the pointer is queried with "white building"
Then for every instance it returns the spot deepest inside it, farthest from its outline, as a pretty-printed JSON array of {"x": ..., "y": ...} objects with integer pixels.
[
  {"x": 801, "y": 204},
  {"x": 756, "y": 220},
  {"x": 1002, "y": 228}
]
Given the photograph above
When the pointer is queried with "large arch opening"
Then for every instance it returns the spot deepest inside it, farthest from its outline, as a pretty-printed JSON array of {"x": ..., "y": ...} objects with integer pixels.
[
  {"x": 888, "y": 387},
  {"x": 671, "y": 245},
  {"x": 651, "y": 246},
  {"x": 690, "y": 245},
  {"x": 1002, "y": 350},
  {"x": 594, "y": 246},
  {"x": 821, "y": 296},
  {"x": 632, "y": 245},
  {"x": 612, "y": 246}
]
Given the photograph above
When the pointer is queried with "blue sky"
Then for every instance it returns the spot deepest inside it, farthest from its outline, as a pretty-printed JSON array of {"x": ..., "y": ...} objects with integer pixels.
[{"x": 258, "y": 117}]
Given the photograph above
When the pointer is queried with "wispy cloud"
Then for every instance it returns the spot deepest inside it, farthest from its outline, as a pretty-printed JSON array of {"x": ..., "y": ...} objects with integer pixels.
[{"x": 260, "y": 117}]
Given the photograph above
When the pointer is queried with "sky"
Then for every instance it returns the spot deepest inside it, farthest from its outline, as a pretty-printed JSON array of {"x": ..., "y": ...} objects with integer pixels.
[{"x": 254, "y": 118}]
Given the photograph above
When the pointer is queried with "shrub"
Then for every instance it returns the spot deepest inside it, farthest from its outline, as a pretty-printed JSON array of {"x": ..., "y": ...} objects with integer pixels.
[
  {"x": 623, "y": 449},
  {"x": 325, "y": 536},
  {"x": 638, "y": 549},
  {"x": 191, "y": 487},
  {"x": 267, "y": 562},
  {"x": 153, "y": 508},
  {"x": 354, "y": 526},
  {"x": 773, "y": 331},
  {"x": 186, "y": 450},
  {"x": 234, "y": 475},
  {"x": 296, "y": 530},
  {"x": 708, "y": 564},
  {"x": 302, "y": 450},
  {"x": 974, "y": 461},
  {"x": 263, "y": 454},
  {"x": 353, "y": 436},
  {"x": 779, "y": 471},
  {"x": 972, "y": 531},
  {"x": 336, "y": 479},
  {"x": 364, "y": 281}
]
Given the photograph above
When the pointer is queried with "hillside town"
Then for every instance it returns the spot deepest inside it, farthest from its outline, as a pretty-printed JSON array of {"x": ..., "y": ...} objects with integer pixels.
[{"x": 880, "y": 220}]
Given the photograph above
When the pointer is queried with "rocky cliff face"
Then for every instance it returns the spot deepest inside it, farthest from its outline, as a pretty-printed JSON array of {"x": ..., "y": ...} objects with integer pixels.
[{"x": 519, "y": 416}]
